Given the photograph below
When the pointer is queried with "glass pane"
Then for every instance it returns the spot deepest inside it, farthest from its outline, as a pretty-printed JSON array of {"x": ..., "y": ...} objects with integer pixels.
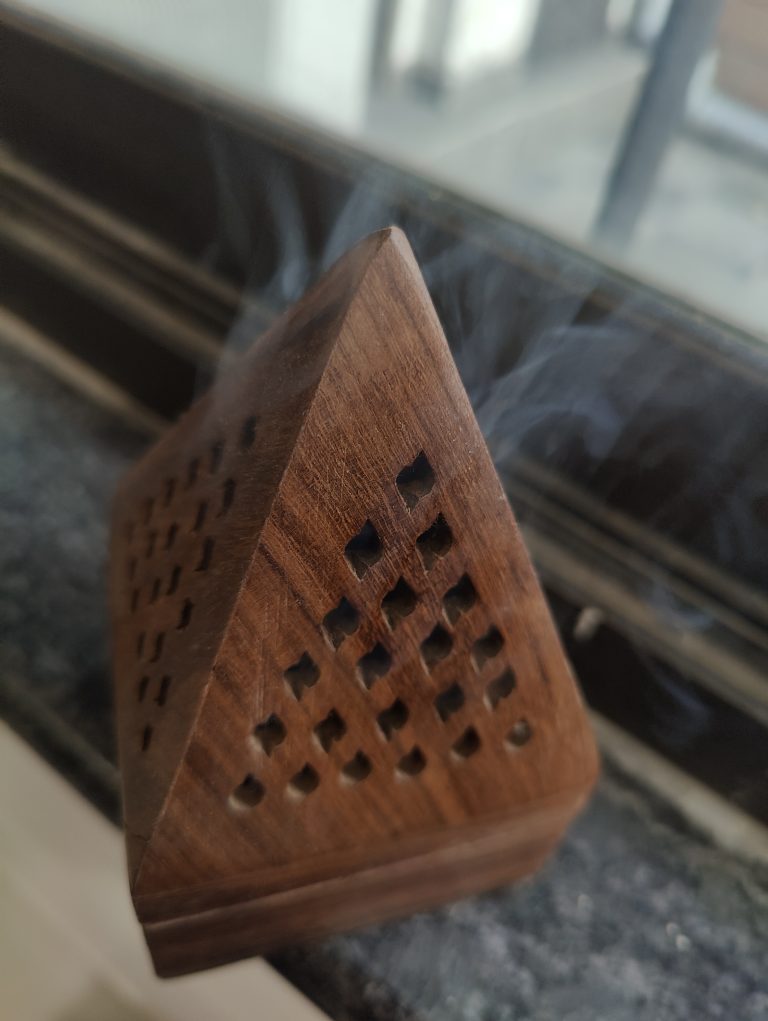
[{"x": 523, "y": 107}]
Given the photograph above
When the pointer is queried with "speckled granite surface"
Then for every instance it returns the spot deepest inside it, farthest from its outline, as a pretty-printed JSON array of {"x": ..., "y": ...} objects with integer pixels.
[{"x": 635, "y": 918}]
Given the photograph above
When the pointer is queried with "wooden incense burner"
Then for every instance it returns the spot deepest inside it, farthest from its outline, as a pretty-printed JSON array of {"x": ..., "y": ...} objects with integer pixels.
[{"x": 340, "y": 695}]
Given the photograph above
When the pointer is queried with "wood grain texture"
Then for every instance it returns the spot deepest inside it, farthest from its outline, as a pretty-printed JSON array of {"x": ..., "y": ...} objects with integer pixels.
[{"x": 358, "y": 686}]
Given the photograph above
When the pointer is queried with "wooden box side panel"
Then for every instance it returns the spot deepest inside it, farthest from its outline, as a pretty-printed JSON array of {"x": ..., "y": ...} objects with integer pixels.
[
  {"x": 440, "y": 693},
  {"x": 186, "y": 524}
]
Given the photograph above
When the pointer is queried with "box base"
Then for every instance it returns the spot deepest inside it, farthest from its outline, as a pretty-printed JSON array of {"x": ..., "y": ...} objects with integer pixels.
[{"x": 260, "y": 925}]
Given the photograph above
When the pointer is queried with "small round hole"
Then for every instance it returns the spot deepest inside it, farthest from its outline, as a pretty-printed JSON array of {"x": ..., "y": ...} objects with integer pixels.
[{"x": 520, "y": 734}]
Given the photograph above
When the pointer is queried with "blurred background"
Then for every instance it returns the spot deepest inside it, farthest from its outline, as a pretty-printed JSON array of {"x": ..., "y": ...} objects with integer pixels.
[
  {"x": 525, "y": 107},
  {"x": 585, "y": 185}
]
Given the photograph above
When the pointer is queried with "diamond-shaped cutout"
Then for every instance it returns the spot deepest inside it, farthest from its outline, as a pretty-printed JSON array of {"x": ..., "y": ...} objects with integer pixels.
[
  {"x": 487, "y": 647},
  {"x": 434, "y": 542},
  {"x": 467, "y": 744},
  {"x": 459, "y": 599},
  {"x": 399, "y": 602},
  {"x": 269, "y": 734},
  {"x": 302, "y": 675},
  {"x": 357, "y": 769},
  {"x": 364, "y": 550},
  {"x": 393, "y": 718},
  {"x": 373, "y": 665},
  {"x": 436, "y": 646},
  {"x": 340, "y": 622},
  {"x": 500, "y": 688},
  {"x": 331, "y": 729},
  {"x": 416, "y": 480},
  {"x": 449, "y": 701},
  {"x": 249, "y": 794},
  {"x": 303, "y": 782},
  {"x": 413, "y": 763}
]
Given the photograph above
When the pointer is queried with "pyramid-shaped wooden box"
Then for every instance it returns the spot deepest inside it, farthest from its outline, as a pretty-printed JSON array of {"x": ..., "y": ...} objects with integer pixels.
[{"x": 340, "y": 696}]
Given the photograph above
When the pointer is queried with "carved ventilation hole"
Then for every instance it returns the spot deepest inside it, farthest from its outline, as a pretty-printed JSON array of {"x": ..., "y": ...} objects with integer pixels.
[
  {"x": 143, "y": 685},
  {"x": 249, "y": 794},
  {"x": 155, "y": 591},
  {"x": 269, "y": 734},
  {"x": 449, "y": 702},
  {"x": 146, "y": 737},
  {"x": 202, "y": 510},
  {"x": 400, "y": 602},
  {"x": 140, "y": 644},
  {"x": 364, "y": 550},
  {"x": 436, "y": 646},
  {"x": 162, "y": 694},
  {"x": 373, "y": 664},
  {"x": 151, "y": 540},
  {"x": 206, "y": 555},
  {"x": 186, "y": 614},
  {"x": 343, "y": 620},
  {"x": 173, "y": 584},
  {"x": 303, "y": 674},
  {"x": 193, "y": 469},
  {"x": 392, "y": 719},
  {"x": 170, "y": 489},
  {"x": 227, "y": 495},
  {"x": 459, "y": 599},
  {"x": 304, "y": 782},
  {"x": 502, "y": 687},
  {"x": 158, "y": 650},
  {"x": 357, "y": 769},
  {"x": 435, "y": 542},
  {"x": 416, "y": 480},
  {"x": 217, "y": 453},
  {"x": 412, "y": 763},
  {"x": 467, "y": 744},
  {"x": 171, "y": 534},
  {"x": 487, "y": 647},
  {"x": 520, "y": 734},
  {"x": 248, "y": 433},
  {"x": 331, "y": 729}
]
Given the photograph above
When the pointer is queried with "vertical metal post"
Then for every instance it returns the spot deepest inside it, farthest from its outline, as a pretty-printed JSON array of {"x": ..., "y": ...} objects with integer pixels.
[
  {"x": 385, "y": 16},
  {"x": 430, "y": 73},
  {"x": 689, "y": 28}
]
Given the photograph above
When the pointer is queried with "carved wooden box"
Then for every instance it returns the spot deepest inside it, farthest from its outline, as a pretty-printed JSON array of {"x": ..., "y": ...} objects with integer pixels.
[{"x": 340, "y": 695}]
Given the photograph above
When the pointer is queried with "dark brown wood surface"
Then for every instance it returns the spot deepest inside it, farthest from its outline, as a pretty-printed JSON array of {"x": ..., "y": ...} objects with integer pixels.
[{"x": 336, "y": 673}]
